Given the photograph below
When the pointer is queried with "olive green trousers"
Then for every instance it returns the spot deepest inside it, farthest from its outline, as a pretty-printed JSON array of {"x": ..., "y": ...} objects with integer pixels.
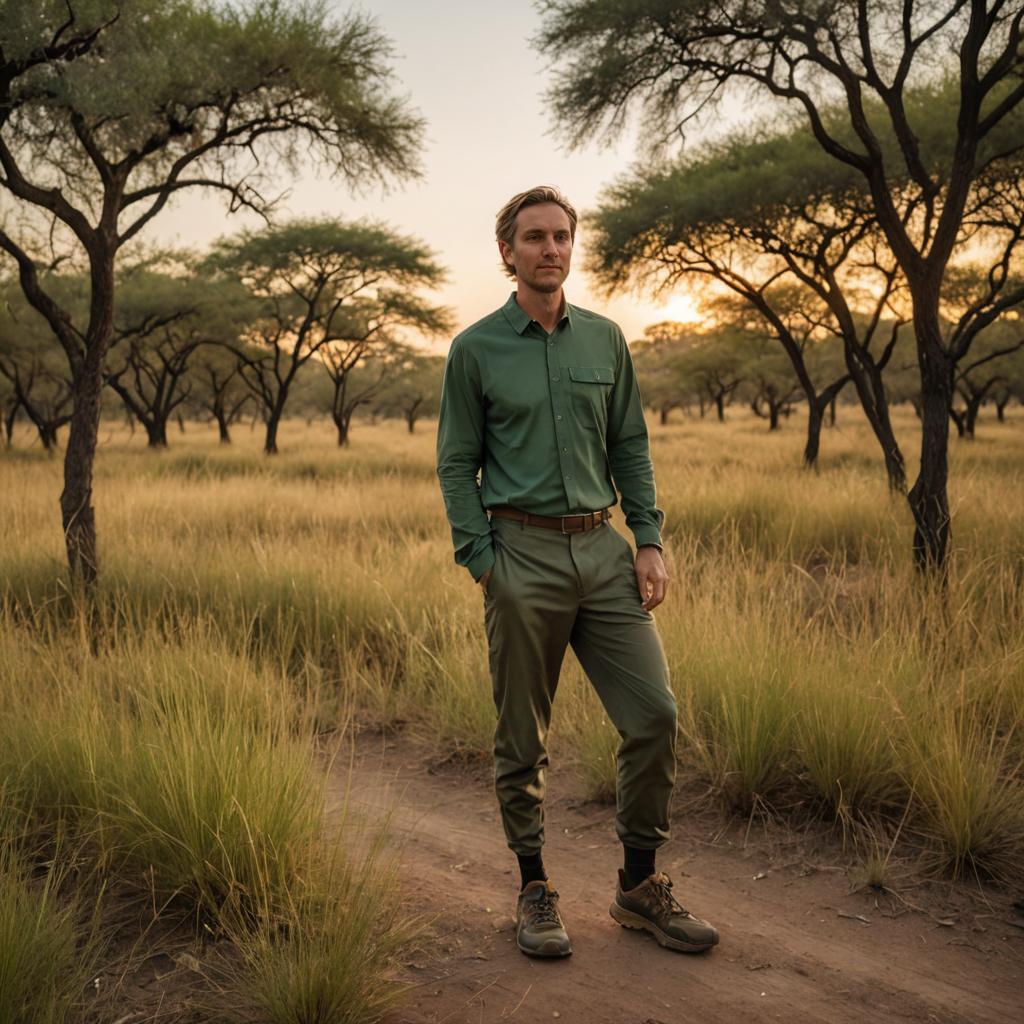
[{"x": 548, "y": 590}]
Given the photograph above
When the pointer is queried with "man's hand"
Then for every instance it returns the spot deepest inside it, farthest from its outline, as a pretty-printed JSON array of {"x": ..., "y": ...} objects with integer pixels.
[
  {"x": 651, "y": 577},
  {"x": 483, "y": 581}
]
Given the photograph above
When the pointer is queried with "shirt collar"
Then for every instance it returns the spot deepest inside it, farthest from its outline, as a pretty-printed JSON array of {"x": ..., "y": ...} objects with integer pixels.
[{"x": 520, "y": 319}]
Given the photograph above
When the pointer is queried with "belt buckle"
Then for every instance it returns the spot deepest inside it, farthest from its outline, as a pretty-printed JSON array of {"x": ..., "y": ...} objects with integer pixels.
[{"x": 561, "y": 525}]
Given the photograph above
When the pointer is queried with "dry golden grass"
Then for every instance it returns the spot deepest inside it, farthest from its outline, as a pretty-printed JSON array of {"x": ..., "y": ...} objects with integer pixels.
[{"x": 250, "y": 604}]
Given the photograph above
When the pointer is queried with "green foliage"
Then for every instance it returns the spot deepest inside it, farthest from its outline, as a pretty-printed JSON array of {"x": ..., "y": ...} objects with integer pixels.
[
  {"x": 306, "y": 250},
  {"x": 167, "y": 80},
  {"x": 319, "y": 957}
]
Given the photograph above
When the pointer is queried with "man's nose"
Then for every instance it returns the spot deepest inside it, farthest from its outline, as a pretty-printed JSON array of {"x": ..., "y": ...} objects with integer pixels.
[{"x": 550, "y": 246}]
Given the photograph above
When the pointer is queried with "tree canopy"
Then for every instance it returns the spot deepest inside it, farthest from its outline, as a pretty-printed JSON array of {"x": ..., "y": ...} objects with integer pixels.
[{"x": 109, "y": 108}]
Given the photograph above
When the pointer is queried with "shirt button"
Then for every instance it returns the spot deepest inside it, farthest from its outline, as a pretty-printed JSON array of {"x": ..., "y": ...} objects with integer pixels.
[
  {"x": 556, "y": 379},
  {"x": 565, "y": 449},
  {"x": 558, "y": 417},
  {"x": 568, "y": 476}
]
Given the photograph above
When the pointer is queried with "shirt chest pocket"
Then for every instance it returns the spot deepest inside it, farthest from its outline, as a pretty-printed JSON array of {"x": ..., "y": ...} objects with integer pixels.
[{"x": 591, "y": 388}]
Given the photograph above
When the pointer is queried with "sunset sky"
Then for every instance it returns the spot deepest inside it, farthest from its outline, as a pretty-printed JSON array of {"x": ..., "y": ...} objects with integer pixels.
[{"x": 468, "y": 68}]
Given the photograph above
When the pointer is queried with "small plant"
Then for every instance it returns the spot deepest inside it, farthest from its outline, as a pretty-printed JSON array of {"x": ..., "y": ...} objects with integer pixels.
[
  {"x": 972, "y": 807},
  {"x": 321, "y": 951},
  {"x": 46, "y": 952}
]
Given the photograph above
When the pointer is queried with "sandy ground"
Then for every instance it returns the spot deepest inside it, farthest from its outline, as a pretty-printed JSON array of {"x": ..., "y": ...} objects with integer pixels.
[{"x": 797, "y": 944}]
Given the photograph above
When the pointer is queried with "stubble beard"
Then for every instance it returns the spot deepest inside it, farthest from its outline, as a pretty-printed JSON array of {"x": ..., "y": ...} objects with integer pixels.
[{"x": 545, "y": 284}]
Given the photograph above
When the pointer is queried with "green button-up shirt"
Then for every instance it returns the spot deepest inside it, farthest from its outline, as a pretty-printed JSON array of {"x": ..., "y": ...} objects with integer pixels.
[{"x": 552, "y": 423}]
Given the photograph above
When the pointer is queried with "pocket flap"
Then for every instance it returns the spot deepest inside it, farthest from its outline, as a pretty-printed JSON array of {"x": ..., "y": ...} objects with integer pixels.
[{"x": 592, "y": 374}]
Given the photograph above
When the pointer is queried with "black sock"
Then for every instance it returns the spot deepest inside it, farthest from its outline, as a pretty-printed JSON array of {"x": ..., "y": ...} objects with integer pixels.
[
  {"x": 531, "y": 868},
  {"x": 638, "y": 865}
]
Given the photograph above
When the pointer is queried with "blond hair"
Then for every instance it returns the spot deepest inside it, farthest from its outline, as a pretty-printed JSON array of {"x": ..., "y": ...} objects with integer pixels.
[{"x": 505, "y": 223}]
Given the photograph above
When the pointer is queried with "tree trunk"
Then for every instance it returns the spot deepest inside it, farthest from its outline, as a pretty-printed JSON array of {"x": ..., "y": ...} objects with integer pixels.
[
  {"x": 1001, "y": 404},
  {"x": 270, "y": 442},
  {"x": 181, "y": 423},
  {"x": 832, "y": 411},
  {"x": 342, "y": 424},
  {"x": 929, "y": 502},
  {"x": 971, "y": 415},
  {"x": 47, "y": 435},
  {"x": 156, "y": 433},
  {"x": 222, "y": 427},
  {"x": 663, "y": 416},
  {"x": 410, "y": 421},
  {"x": 773, "y": 415},
  {"x": 10, "y": 415},
  {"x": 815, "y": 420},
  {"x": 959, "y": 421},
  {"x": 720, "y": 406},
  {"x": 78, "y": 516},
  {"x": 867, "y": 381}
]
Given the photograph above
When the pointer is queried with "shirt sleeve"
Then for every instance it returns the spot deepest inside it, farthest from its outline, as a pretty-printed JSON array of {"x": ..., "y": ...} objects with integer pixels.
[
  {"x": 629, "y": 454},
  {"x": 460, "y": 451}
]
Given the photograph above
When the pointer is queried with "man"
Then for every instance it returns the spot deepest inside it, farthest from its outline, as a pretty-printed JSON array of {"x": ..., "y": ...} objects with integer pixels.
[{"x": 541, "y": 399}]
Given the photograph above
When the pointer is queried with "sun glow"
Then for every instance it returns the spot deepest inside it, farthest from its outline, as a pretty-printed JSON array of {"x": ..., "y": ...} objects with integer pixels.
[{"x": 681, "y": 307}]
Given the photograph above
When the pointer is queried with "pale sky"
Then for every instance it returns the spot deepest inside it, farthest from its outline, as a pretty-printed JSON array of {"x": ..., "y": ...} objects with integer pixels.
[{"x": 468, "y": 68}]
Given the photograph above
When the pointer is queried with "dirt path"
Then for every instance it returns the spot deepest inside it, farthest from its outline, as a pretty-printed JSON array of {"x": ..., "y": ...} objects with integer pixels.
[{"x": 792, "y": 949}]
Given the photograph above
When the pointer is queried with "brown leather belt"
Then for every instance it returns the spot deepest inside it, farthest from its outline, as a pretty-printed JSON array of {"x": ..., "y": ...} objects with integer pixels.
[{"x": 564, "y": 524}]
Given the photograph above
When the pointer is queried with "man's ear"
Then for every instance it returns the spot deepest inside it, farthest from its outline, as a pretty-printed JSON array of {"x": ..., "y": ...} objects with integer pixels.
[{"x": 506, "y": 253}]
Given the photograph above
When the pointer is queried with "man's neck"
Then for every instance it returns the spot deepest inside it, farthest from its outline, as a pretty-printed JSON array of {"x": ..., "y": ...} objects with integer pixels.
[{"x": 544, "y": 307}]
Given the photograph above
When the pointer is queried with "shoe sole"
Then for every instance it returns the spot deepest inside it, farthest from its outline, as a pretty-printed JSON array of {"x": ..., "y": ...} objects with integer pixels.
[
  {"x": 551, "y": 949},
  {"x": 630, "y": 920}
]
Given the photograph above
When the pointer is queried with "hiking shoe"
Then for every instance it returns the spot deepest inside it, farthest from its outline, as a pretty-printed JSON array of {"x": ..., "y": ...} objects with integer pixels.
[
  {"x": 539, "y": 930},
  {"x": 652, "y": 907}
]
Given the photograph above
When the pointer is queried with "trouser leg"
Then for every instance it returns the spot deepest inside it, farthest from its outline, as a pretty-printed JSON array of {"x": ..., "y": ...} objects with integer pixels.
[
  {"x": 617, "y": 644},
  {"x": 529, "y": 611}
]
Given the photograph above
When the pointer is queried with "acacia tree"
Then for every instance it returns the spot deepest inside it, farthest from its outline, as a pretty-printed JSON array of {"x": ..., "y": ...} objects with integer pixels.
[
  {"x": 148, "y": 367},
  {"x": 33, "y": 368},
  {"x": 793, "y": 316},
  {"x": 673, "y": 59},
  {"x": 1011, "y": 387},
  {"x": 658, "y": 357},
  {"x": 33, "y": 360},
  {"x": 977, "y": 375},
  {"x": 39, "y": 389},
  {"x": 987, "y": 368},
  {"x": 109, "y": 108},
  {"x": 781, "y": 226},
  {"x": 714, "y": 365},
  {"x": 413, "y": 388},
  {"x": 369, "y": 330},
  {"x": 365, "y": 384},
  {"x": 320, "y": 286},
  {"x": 218, "y": 388}
]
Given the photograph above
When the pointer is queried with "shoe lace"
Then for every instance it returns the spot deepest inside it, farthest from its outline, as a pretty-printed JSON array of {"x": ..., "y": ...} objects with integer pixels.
[
  {"x": 543, "y": 909},
  {"x": 662, "y": 886}
]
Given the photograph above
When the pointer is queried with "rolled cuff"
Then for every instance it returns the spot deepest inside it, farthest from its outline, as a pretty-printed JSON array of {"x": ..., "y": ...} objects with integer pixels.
[
  {"x": 481, "y": 562},
  {"x": 647, "y": 534}
]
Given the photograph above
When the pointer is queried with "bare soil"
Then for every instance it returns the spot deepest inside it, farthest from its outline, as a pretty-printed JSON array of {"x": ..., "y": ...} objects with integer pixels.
[{"x": 800, "y": 942}]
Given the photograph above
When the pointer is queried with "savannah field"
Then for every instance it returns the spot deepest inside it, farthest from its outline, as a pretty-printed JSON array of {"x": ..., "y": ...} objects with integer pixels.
[{"x": 186, "y": 834}]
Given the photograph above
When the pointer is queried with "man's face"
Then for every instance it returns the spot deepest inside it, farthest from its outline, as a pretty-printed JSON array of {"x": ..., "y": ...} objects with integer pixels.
[{"x": 542, "y": 247}]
